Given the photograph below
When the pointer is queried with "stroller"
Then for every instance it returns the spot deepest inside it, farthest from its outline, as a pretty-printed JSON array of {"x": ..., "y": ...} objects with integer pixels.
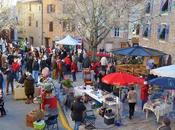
[{"x": 89, "y": 120}]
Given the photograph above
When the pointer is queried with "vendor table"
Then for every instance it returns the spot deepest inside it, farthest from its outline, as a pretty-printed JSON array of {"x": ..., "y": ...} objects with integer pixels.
[
  {"x": 96, "y": 95},
  {"x": 159, "y": 110}
]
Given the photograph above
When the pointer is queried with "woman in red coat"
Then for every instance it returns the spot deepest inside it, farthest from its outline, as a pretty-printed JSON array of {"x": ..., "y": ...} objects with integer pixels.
[
  {"x": 144, "y": 93},
  {"x": 74, "y": 70}
]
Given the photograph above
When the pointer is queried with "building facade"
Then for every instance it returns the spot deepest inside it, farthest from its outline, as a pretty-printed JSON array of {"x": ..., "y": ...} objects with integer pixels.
[
  {"x": 158, "y": 26},
  {"x": 29, "y": 21},
  {"x": 42, "y": 22}
]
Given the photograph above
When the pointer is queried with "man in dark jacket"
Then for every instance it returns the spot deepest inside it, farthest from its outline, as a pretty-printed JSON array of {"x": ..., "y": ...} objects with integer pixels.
[
  {"x": 86, "y": 61},
  {"x": 9, "y": 80},
  {"x": 77, "y": 109},
  {"x": 35, "y": 69}
]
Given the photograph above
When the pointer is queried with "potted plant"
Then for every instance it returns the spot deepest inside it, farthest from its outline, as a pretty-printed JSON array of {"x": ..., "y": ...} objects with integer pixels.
[{"x": 67, "y": 84}]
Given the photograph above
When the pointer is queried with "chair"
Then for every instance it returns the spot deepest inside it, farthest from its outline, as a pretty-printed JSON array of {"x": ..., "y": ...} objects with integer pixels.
[
  {"x": 89, "y": 119},
  {"x": 51, "y": 122}
]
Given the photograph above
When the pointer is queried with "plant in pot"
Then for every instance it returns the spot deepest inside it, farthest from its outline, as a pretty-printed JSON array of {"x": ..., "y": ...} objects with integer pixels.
[{"x": 67, "y": 84}]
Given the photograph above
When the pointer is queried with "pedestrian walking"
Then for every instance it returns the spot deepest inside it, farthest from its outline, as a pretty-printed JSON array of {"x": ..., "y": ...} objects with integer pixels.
[
  {"x": 9, "y": 80},
  {"x": 74, "y": 70},
  {"x": 132, "y": 98},
  {"x": 35, "y": 69},
  {"x": 77, "y": 109},
  {"x": 144, "y": 93}
]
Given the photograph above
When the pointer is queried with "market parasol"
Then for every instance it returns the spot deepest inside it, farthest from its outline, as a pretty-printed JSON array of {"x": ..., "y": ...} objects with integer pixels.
[
  {"x": 138, "y": 51},
  {"x": 163, "y": 82},
  {"x": 121, "y": 79}
]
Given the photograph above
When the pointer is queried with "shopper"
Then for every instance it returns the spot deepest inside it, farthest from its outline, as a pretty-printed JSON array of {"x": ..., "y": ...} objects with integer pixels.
[
  {"x": 77, "y": 109},
  {"x": 74, "y": 70},
  {"x": 132, "y": 97},
  {"x": 9, "y": 80},
  {"x": 144, "y": 93},
  {"x": 29, "y": 87}
]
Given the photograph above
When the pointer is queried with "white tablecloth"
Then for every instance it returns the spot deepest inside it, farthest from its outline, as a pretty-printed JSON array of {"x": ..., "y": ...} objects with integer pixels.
[
  {"x": 97, "y": 95},
  {"x": 159, "y": 111}
]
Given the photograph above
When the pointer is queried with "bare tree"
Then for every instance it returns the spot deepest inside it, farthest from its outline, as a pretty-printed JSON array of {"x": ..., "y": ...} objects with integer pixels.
[
  {"x": 7, "y": 19},
  {"x": 94, "y": 19}
]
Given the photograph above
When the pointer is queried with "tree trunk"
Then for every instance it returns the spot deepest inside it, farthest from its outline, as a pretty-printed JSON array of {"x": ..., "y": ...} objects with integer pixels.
[{"x": 93, "y": 49}]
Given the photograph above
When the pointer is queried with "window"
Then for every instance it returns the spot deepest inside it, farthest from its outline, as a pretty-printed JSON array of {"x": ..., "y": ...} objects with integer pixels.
[
  {"x": 148, "y": 8},
  {"x": 165, "y": 5},
  {"x": 50, "y": 8},
  {"x": 147, "y": 30},
  {"x": 30, "y": 21},
  {"x": 136, "y": 29},
  {"x": 116, "y": 31},
  {"x": 163, "y": 32},
  {"x": 36, "y": 23},
  {"x": 67, "y": 26},
  {"x": 51, "y": 26}
]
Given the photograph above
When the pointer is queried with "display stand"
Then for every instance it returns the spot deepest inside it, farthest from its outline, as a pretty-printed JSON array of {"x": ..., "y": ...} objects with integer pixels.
[{"x": 87, "y": 77}]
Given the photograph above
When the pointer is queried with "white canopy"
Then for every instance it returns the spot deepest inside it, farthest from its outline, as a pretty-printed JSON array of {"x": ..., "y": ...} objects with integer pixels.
[
  {"x": 68, "y": 40},
  {"x": 166, "y": 71}
]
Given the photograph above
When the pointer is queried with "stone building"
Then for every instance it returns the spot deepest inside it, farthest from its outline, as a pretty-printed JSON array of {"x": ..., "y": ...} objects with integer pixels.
[
  {"x": 158, "y": 26},
  {"x": 42, "y": 22}
]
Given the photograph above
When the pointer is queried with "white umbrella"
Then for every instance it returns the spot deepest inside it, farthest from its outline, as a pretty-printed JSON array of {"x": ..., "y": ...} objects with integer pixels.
[
  {"x": 166, "y": 71},
  {"x": 68, "y": 40}
]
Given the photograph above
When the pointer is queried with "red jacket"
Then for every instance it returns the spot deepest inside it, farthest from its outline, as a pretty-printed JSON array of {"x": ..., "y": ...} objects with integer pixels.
[
  {"x": 144, "y": 93},
  {"x": 67, "y": 60},
  {"x": 15, "y": 66},
  {"x": 74, "y": 67}
]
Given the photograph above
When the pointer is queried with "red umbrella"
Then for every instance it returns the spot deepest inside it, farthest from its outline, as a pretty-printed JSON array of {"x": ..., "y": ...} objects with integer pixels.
[{"x": 121, "y": 79}]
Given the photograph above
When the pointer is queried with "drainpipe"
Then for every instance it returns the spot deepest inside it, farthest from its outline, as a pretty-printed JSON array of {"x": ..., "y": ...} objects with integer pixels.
[{"x": 42, "y": 26}]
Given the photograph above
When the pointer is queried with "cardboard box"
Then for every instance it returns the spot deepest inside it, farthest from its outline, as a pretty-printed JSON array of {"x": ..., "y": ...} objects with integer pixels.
[{"x": 19, "y": 93}]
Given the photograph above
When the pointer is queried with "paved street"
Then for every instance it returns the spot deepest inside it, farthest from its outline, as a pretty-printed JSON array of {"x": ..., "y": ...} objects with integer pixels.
[{"x": 16, "y": 111}]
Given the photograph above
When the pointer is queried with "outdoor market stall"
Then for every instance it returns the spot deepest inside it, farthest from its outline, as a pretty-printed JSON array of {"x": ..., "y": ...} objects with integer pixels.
[
  {"x": 137, "y": 66},
  {"x": 166, "y": 71},
  {"x": 163, "y": 103}
]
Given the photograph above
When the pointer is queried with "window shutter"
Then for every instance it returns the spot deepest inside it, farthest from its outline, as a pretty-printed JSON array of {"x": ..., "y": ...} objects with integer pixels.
[
  {"x": 161, "y": 5},
  {"x": 169, "y": 5},
  {"x": 158, "y": 31},
  {"x": 167, "y": 32},
  {"x": 149, "y": 31}
]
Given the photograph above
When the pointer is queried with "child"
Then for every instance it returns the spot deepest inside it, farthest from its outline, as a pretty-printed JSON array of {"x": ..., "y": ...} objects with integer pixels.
[{"x": 2, "y": 110}]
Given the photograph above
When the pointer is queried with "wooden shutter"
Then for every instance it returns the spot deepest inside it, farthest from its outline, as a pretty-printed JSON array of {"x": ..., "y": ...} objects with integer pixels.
[
  {"x": 149, "y": 31},
  {"x": 167, "y": 32},
  {"x": 169, "y": 5},
  {"x": 158, "y": 31}
]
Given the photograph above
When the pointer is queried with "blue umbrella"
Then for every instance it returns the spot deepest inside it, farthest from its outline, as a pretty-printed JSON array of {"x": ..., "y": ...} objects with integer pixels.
[
  {"x": 163, "y": 82},
  {"x": 138, "y": 51}
]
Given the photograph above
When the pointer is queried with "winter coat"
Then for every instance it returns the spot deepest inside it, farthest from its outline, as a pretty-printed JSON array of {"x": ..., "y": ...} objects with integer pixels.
[
  {"x": 29, "y": 85},
  {"x": 77, "y": 109},
  {"x": 144, "y": 93},
  {"x": 10, "y": 74},
  {"x": 35, "y": 65},
  {"x": 74, "y": 67},
  {"x": 86, "y": 63},
  {"x": 1, "y": 80}
]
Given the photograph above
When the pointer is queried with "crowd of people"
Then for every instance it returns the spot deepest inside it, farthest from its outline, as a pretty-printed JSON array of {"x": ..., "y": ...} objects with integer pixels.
[{"x": 25, "y": 67}]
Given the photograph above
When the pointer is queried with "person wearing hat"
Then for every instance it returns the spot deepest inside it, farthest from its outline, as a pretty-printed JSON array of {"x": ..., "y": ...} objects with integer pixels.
[
  {"x": 165, "y": 124},
  {"x": 144, "y": 93}
]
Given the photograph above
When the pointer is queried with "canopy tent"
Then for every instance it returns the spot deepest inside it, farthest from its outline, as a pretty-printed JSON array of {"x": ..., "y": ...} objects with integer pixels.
[
  {"x": 138, "y": 51},
  {"x": 166, "y": 71},
  {"x": 68, "y": 40}
]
